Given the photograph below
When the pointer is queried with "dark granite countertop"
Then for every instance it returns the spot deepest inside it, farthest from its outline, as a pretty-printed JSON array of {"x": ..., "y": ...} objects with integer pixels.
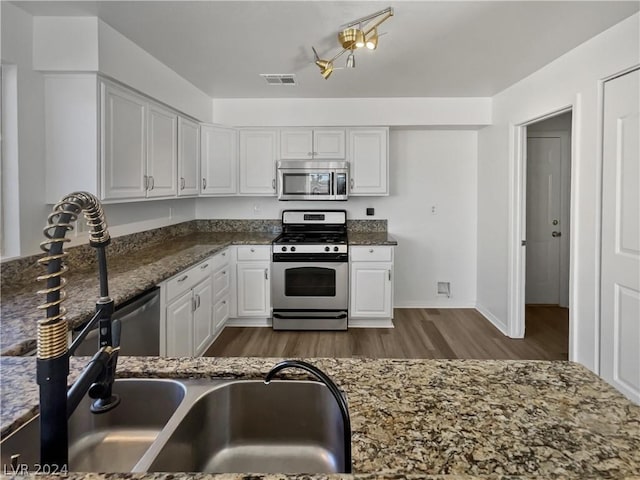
[
  {"x": 415, "y": 418},
  {"x": 129, "y": 275}
]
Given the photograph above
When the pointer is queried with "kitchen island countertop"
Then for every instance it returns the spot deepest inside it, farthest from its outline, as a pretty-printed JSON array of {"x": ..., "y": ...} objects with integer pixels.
[{"x": 413, "y": 418}]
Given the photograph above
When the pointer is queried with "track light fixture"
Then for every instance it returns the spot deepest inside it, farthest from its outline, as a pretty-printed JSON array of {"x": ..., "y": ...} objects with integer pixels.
[{"x": 353, "y": 35}]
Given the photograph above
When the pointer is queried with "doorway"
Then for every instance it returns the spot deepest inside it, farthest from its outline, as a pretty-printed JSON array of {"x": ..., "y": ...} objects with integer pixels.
[{"x": 547, "y": 218}]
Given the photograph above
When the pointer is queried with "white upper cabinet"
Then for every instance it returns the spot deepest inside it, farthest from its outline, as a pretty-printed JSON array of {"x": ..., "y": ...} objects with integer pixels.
[
  {"x": 258, "y": 154},
  {"x": 188, "y": 157},
  {"x": 368, "y": 157},
  {"x": 219, "y": 162},
  {"x": 123, "y": 146},
  {"x": 162, "y": 152},
  {"x": 308, "y": 143}
]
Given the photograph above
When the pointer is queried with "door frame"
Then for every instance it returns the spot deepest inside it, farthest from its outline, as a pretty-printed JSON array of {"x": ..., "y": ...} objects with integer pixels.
[{"x": 516, "y": 264}]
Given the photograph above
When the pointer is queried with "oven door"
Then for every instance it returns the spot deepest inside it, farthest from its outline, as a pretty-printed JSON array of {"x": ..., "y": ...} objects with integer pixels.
[{"x": 310, "y": 285}]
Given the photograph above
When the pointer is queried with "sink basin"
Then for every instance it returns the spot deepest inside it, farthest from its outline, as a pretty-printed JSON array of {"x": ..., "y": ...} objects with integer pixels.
[
  {"x": 248, "y": 426},
  {"x": 113, "y": 441},
  {"x": 208, "y": 426}
]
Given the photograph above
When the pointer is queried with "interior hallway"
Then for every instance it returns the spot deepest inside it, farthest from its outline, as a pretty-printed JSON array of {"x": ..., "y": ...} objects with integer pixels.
[{"x": 418, "y": 333}]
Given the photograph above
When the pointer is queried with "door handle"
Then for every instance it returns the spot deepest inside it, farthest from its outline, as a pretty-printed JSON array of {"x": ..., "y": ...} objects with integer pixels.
[{"x": 556, "y": 234}]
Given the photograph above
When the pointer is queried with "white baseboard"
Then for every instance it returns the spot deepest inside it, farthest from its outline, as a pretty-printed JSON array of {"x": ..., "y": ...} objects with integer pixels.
[
  {"x": 492, "y": 318},
  {"x": 444, "y": 303},
  {"x": 370, "y": 323},
  {"x": 249, "y": 322}
]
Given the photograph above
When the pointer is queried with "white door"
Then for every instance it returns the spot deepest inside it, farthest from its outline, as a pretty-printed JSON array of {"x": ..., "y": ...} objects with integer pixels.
[
  {"x": 328, "y": 143},
  {"x": 179, "y": 326},
  {"x": 369, "y": 161},
  {"x": 620, "y": 267},
  {"x": 544, "y": 226},
  {"x": 124, "y": 152},
  {"x": 162, "y": 159},
  {"x": 296, "y": 144},
  {"x": 219, "y": 160},
  {"x": 371, "y": 290},
  {"x": 188, "y": 158},
  {"x": 254, "y": 298},
  {"x": 202, "y": 316},
  {"x": 258, "y": 151}
]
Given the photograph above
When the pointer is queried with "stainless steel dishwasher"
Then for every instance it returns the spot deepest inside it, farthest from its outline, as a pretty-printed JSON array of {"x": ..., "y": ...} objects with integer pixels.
[{"x": 140, "y": 320}]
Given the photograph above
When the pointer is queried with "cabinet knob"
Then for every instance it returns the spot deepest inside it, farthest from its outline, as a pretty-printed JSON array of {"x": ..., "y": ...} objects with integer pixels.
[
  {"x": 224, "y": 272},
  {"x": 371, "y": 250},
  {"x": 253, "y": 250},
  {"x": 224, "y": 254}
]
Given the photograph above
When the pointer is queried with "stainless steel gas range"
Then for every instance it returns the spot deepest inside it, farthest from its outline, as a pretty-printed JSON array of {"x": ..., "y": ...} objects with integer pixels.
[{"x": 310, "y": 271}]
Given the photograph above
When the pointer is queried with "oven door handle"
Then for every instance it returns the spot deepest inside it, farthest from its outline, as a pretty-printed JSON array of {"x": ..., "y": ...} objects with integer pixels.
[{"x": 310, "y": 317}]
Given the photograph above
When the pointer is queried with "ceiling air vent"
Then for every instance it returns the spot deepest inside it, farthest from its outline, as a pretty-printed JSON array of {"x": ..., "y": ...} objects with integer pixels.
[{"x": 279, "y": 78}]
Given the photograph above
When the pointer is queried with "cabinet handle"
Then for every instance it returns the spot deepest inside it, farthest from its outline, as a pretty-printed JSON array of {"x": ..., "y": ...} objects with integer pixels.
[
  {"x": 204, "y": 183},
  {"x": 182, "y": 279},
  {"x": 224, "y": 302},
  {"x": 152, "y": 182},
  {"x": 273, "y": 183},
  {"x": 145, "y": 182},
  {"x": 351, "y": 183},
  {"x": 224, "y": 272},
  {"x": 194, "y": 305},
  {"x": 182, "y": 183},
  {"x": 389, "y": 275},
  {"x": 253, "y": 250},
  {"x": 204, "y": 266},
  {"x": 266, "y": 274},
  {"x": 224, "y": 254},
  {"x": 198, "y": 297}
]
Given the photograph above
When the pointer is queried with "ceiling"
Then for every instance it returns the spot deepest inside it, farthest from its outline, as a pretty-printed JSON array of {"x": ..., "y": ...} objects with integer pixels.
[{"x": 430, "y": 49}]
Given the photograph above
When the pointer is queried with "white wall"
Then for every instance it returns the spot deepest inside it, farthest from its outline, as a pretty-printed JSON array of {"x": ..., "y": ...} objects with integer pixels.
[
  {"x": 87, "y": 44},
  {"x": 427, "y": 167},
  {"x": 249, "y": 112},
  {"x": 572, "y": 79},
  {"x": 28, "y": 198}
]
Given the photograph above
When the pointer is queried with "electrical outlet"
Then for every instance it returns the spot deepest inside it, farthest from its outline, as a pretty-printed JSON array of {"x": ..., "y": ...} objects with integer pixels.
[{"x": 434, "y": 209}]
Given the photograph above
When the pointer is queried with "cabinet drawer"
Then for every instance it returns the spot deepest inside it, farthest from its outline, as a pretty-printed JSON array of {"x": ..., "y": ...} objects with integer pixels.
[
  {"x": 188, "y": 278},
  {"x": 373, "y": 253},
  {"x": 254, "y": 252},
  {"x": 220, "y": 258}
]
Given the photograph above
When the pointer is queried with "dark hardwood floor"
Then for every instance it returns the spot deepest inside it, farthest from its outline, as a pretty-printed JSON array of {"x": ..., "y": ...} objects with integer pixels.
[{"x": 418, "y": 333}]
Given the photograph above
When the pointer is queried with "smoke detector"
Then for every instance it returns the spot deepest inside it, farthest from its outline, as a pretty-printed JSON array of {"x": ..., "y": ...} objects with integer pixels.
[{"x": 279, "y": 78}]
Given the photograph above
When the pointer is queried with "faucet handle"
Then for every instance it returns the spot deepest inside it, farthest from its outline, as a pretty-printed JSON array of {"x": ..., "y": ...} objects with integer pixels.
[{"x": 116, "y": 332}]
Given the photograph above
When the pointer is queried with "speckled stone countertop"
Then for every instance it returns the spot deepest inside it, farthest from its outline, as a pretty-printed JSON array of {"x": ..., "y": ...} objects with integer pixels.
[
  {"x": 371, "y": 238},
  {"x": 412, "y": 418},
  {"x": 129, "y": 275}
]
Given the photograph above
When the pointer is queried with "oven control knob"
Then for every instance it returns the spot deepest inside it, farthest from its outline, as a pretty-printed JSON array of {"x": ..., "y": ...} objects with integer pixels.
[
  {"x": 335, "y": 249},
  {"x": 326, "y": 249},
  {"x": 284, "y": 249},
  {"x": 293, "y": 249}
]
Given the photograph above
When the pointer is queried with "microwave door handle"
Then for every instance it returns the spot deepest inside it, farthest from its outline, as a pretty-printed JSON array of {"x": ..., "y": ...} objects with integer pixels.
[{"x": 333, "y": 183}]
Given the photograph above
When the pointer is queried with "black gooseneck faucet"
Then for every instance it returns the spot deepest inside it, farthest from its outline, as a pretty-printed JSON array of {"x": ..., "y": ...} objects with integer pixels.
[
  {"x": 57, "y": 403},
  {"x": 335, "y": 391}
]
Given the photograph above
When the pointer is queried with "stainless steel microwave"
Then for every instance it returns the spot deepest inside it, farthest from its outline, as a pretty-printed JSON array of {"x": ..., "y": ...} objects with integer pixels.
[{"x": 313, "y": 180}]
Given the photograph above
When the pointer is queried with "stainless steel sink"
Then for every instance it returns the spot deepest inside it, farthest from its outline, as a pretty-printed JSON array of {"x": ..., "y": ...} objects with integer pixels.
[
  {"x": 201, "y": 426},
  {"x": 248, "y": 426},
  {"x": 108, "y": 442}
]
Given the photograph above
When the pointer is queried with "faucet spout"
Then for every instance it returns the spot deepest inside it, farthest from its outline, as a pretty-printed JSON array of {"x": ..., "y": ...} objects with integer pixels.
[
  {"x": 333, "y": 388},
  {"x": 56, "y": 403}
]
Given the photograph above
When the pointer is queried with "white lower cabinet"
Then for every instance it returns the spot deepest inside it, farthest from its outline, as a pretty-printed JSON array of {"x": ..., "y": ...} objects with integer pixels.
[
  {"x": 371, "y": 285},
  {"x": 202, "y": 316},
  {"x": 253, "y": 281},
  {"x": 179, "y": 326}
]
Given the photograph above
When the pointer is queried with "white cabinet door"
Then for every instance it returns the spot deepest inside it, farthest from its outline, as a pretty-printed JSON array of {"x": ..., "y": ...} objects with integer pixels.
[
  {"x": 162, "y": 153},
  {"x": 220, "y": 314},
  {"x": 296, "y": 144},
  {"x": 123, "y": 146},
  {"x": 221, "y": 282},
  {"x": 328, "y": 144},
  {"x": 254, "y": 296},
  {"x": 180, "y": 326},
  {"x": 258, "y": 153},
  {"x": 369, "y": 161},
  {"x": 202, "y": 316},
  {"x": 371, "y": 290},
  {"x": 188, "y": 157},
  {"x": 219, "y": 162},
  {"x": 316, "y": 143}
]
